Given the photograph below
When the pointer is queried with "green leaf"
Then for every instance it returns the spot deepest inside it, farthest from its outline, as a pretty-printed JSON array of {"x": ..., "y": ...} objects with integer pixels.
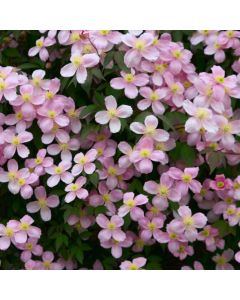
[
  {"x": 94, "y": 178},
  {"x": 119, "y": 58},
  {"x": 215, "y": 159},
  {"x": 224, "y": 228},
  {"x": 88, "y": 110},
  {"x": 108, "y": 58},
  {"x": 98, "y": 73}
]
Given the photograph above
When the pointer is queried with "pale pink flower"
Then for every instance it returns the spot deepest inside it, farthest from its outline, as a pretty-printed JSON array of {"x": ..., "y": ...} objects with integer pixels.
[
  {"x": 75, "y": 190},
  {"x": 25, "y": 230},
  {"x": 129, "y": 82},
  {"x": 113, "y": 114},
  {"x": 8, "y": 83},
  {"x": 196, "y": 266},
  {"x": 59, "y": 172},
  {"x": 65, "y": 147},
  {"x": 47, "y": 262},
  {"x": 130, "y": 205},
  {"x": 143, "y": 155},
  {"x": 39, "y": 163},
  {"x": 136, "y": 264},
  {"x": 150, "y": 228},
  {"x": 150, "y": 129},
  {"x": 43, "y": 203},
  {"x": 79, "y": 64},
  {"x": 202, "y": 118},
  {"x": 30, "y": 248},
  {"x": 190, "y": 222},
  {"x": 175, "y": 90},
  {"x": 41, "y": 45},
  {"x": 164, "y": 190},
  {"x": 111, "y": 228},
  {"x": 142, "y": 47},
  {"x": 152, "y": 98},
  {"x": 222, "y": 261},
  {"x": 221, "y": 183},
  {"x": 7, "y": 234},
  {"x": 105, "y": 38},
  {"x": 116, "y": 246},
  {"x": 37, "y": 78},
  {"x": 185, "y": 179},
  {"x": 84, "y": 162},
  {"x": 15, "y": 139}
]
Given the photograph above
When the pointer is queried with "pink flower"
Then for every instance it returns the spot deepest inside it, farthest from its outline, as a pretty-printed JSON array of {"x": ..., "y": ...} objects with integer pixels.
[
  {"x": 28, "y": 100},
  {"x": 79, "y": 64},
  {"x": 41, "y": 45},
  {"x": 222, "y": 261},
  {"x": 142, "y": 47},
  {"x": 105, "y": 38},
  {"x": 116, "y": 246},
  {"x": 30, "y": 248},
  {"x": 40, "y": 162},
  {"x": 75, "y": 190},
  {"x": 129, "y": 82},
  {"x": 163, "y": 191},
  {"x": 150, "y": 129},
  {"x": 112, "y": 114},
  {"x": 175, "y": 90},
  {"x": 150, "y": 228},
  {"x": 152, "y": 98},
  {"x": 185, "y": 179},
  {"x": 136, "y": 264},
  {"x": 221, "y": 183},
  {"x": 111, "y": 228},
  {"x": 25, "y": 230},
  {"x": 84, "y": 162},
  {"x": 7, "y": 234},
  {"x": 59, "y": 172},
  {"x": 43, "y": 203},
  {"x": 202, "y": 118},
  {"x": 64, "y": 147},
  {"x": 196, "y": 266},
  {"x": 8, "y": 83},
  {"x": 15, "y": 141},
  {"x": 143, "y": 155},
  {"x": 47, "y": 262},
  {"x": 130, "y": 204},
  {"x": 191, "y": 222}
]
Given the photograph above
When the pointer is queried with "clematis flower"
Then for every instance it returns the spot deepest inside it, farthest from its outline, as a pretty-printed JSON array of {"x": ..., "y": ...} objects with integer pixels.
[
  {"x": 43, "y": 203},
  {"x": 150, "y": 129},
  {"x": 142, "y": 47},
  {"x": 113, "y": 114},
  {"x": 136, "y": 264},
  {"x": 220, "y": 183},
  {"x": 59, "y": 172},
  {"x": 7, "y": 234},
  {"x": 15, "y": 140},
  {"x": 31, "y": 247},
  {"x": 104, "y": 38},
  {"x": 191, "y": 222},
  {"x": 41, "y": 45},
  {"x": 143, "y": 155},
  {"x": 222, "y": 261},
  {"x": 152, "y": 98},
  {"x": 150, "y": 228},
  {"x": 79, "y": 64},
  {"x": 111, "y": 228},
  {"x": 185, "y": 179},
  {"x": 84, "y": 162},
  {"x": 129, "y": 82},
  {"x": 130, "y": 205},
  {"x": 75, "y": 190},
  {"x": 25, "y": 230},
  {"x": 40, "y": 163},
  {"x": 163, "y": 191},
  {"x": 47, "y": 262},
  {"x": 8, "y": 83},
  {"x": 116, "y": 246}
]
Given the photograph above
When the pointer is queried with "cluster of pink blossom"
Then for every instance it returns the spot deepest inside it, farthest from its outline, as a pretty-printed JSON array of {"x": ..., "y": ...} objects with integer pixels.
[{"x": 172, "y": 202}]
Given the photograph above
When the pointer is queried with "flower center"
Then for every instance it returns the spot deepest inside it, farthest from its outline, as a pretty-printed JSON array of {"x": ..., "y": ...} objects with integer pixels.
[
  {"x": 21, "y": 181},
  {"x": 24, "y": 226},
  {"x": 219, "y": 79},
  {"x": 177, "y": 53},
  {"x": 220, "y": 184},
  {"x": 111, "y": 226},
  {"x": 64, "y": 146},
  {"x": 230, "y": 211},
  {"x": 2, "y": 85},
  {"x": 173, "y": 235},
  {"x": 51, "y": 114},
  {"x": 163, "y": 190},
  {"x": 19, "y": 115},
  {"x": 174, "y": 88},
  {"x": 154, "y": 96},
  {"x": 202, "y": 113},
  {"x": 104, "y": 32},
  {"x": 133, "y": 267},
  {"x": 12, "y": 175},
  {"x": 129, "y": 77},
  {"x": 16, "y": 141},
  {"x": 29, "y": 246},
  {"x": 8, "y": 232},
  {"x": 188, "y": 221},
  {"x": 49, "y": 95},
  {"x": 130, "y": 203},
  {"x": 112, "y": 113},
  {"x": 160, "y": 67},
  {"x": 187, "y": 178},
  {"x": 227, "y": 128},
  {"x": 140, "y": 45},
  {"x": 74, "y": 187},
  {"x": 145, "y": 153},
  {"x": 42, "y": 202},
  {"x": 112, "y": 171},
  {"x": 58, "y": 170},
  {"x": 106, "y": 197},
  {"x": 39, "y": 43},
  {"x": 26, "y": 97},
  {"x": 77, "y": 61},
  {"x": 151, "y": 226},
  {"x": 38, "y": 160},
  {"x": 75, "y": 37}
]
